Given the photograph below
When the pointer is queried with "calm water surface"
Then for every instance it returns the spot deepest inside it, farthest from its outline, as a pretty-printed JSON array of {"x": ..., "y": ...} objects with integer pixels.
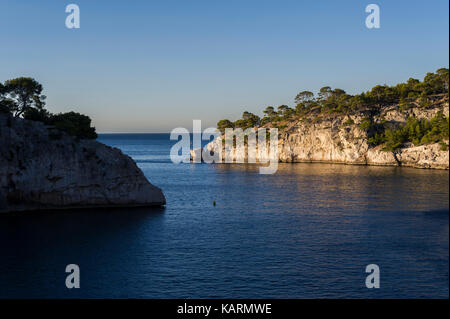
[{"x": 307, "y": 231}]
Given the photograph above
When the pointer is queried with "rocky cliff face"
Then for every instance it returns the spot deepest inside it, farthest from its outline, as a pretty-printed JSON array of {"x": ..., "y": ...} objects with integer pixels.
[
  {"x": 339, "y": 139},
  {"x": 43, "y": 168}
]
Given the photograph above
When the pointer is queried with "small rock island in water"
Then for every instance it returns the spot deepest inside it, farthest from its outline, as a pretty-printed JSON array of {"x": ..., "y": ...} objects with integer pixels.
[{"x": 52, "y": 161}]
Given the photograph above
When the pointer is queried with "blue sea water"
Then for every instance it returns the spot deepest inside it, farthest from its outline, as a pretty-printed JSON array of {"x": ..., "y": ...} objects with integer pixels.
[{"x": 307, "y": 231}]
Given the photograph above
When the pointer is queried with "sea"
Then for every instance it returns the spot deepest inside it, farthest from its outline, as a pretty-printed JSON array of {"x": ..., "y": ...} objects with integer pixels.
[{"x": 307, "y": 231}]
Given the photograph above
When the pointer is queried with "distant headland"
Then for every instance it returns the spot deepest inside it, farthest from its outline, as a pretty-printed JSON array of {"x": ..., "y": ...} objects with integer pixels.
[{"x": 402, "y": 125}]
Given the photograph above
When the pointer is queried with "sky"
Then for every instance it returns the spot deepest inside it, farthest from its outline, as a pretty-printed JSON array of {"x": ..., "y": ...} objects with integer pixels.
[{"x": 152, "y": 66}]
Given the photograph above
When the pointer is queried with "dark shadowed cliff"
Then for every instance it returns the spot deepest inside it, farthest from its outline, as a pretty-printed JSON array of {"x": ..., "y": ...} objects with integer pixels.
[{"x": 44, "y": 168}]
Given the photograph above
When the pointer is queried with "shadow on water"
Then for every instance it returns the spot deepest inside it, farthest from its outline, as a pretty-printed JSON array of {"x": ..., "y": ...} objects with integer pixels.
[
  {"x": 75, "y": 221},
  {"x": 307, "y": 231},
  {"x": 37, "y": 246}
]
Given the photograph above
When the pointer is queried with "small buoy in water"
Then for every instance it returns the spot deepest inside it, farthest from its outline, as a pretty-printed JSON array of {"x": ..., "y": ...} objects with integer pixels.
[{"x": 214, "y": 203}]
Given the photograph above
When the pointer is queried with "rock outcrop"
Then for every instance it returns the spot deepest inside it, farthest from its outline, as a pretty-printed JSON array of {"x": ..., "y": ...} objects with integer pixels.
[
  {"x": 196, "y": 155},
  {"x": 339, "y": 139},
  {"x": 44, "y": 168}
]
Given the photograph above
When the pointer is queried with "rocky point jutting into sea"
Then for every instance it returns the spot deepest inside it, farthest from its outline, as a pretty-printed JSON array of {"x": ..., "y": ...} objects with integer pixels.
[
  {"x": 342, "y": 138},
  {"x": 45, "y": 168}
]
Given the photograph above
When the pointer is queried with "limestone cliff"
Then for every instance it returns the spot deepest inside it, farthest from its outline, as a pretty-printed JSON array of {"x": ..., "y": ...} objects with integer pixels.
[
  {"x": 338, "y": 138},
  {"x": 43, "y": 168}
]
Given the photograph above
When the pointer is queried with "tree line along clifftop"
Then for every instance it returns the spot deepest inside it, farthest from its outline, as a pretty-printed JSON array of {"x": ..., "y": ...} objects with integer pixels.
[
  {"x": 432, "y": 90},
  {"x": 22, "y": 97}
]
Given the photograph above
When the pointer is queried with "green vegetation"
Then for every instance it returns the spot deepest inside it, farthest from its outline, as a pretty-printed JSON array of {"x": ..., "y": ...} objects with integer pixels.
[
  {"x": 348, "y": 122},
  {"x": 366, "y": 125},
  {"x": 413, "y": 93},
  {"x": 74, "y": 124},
  {"x": 20, "y": 94},
  {"x": 418, "y": 132},
  {"x": 21, "y": 97}
]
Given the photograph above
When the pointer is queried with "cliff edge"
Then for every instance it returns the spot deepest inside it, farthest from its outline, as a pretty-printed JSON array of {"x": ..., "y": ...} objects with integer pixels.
[
  {"x": 342, "y": 138},
  {"x": 43, "y": 168}
]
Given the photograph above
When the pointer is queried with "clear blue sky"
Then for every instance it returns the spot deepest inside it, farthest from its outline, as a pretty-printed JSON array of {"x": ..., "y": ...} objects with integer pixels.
[{"x": 150, "y": 66}]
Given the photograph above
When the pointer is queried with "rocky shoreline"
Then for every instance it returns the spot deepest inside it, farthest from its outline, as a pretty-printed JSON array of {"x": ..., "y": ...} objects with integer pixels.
[
  {"x": 340, "y": 139},
  {"x": 43, "y": 168}
]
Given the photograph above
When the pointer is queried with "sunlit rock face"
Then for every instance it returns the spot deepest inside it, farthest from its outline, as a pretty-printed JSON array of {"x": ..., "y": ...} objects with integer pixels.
[
  {"x": 43, "y": 168},
  {"x": 330, "y": 138}
]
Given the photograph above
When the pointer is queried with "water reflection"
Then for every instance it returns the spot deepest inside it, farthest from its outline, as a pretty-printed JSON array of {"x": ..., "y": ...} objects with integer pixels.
[
  {"x": 307, "y": 231},
  {"x": 345, "y": 187}
]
